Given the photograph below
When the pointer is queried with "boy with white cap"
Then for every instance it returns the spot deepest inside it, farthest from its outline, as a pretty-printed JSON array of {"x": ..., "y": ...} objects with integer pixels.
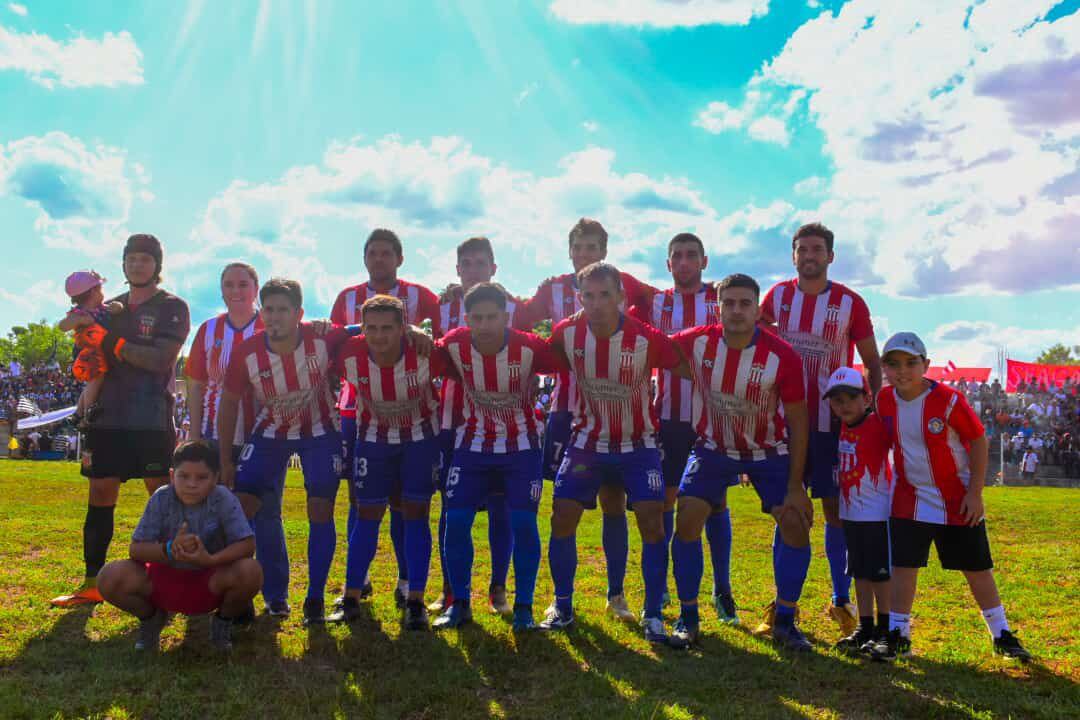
[
  {"x": 865, "y": 482},
  {"x": 89, "y": 316},
  {"x": 940, "y": 451}
]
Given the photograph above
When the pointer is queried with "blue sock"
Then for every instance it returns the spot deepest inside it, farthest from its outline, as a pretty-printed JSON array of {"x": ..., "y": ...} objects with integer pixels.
[
  {"x": 718, "y": 531},
  {"x": 688, "y": 561},
  {"x": 270, "y": 548},
  {"x": 785, "y": 616},
  {"x": 616, "y": 541},
  {"x": 669, "y": 531},
  {"x": 459, "y": 550},
  {"x": 418, "y": 553},
  {"x": 442, "y": 548},
  {"x": 363, "y": 542},
  {"x": 350, "y": 523},
  {"x": 776, "y": 542},
  {"x": 397, "y": 536},
  {"x": 836, "y": 552},
  {"x": 562, "y": 557},
  {"x": 322, "y": 539},
  {"x": 526, "y": 554},
  {"x": 654, "y": 559},
  {"x": 791, "y": 566},
  {"x": 500, "y": 538}
]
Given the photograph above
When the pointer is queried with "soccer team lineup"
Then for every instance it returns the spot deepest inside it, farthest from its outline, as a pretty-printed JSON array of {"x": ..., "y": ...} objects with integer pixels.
[{"x": 639, "y": 400}]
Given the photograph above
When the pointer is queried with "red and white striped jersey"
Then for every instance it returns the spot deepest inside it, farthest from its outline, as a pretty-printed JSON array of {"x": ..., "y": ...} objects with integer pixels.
[
  {"x": 669, "y": 312},
  {"x": 823, "y": 330},
  {"x": 394, "y": 404},
  {"x": 293, "y": 390},
  {"x": 420, "y": 304},
  {"x": 207, "y": 362},
  {"x": 498, "y": 407},
  {"x": 863, "y": 472},
  {"x": 931, "y": 440},
  {"x": 614, "y": 412},
  {"x": 556, "y": 300},
  {"x": 451, "y": 317},
  {"x": 738, "y": 394}
]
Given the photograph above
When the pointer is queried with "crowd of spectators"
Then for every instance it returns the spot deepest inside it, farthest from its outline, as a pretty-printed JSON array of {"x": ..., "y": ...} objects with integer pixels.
[{"x": 50, "y": 387}]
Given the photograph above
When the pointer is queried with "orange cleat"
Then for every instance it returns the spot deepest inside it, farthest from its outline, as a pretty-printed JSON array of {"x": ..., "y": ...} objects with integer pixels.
[{"x": 87, "y": 595}]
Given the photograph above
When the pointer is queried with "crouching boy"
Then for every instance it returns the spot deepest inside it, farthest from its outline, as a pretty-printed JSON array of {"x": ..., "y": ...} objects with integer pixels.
[{"x": 191, "y": 553}]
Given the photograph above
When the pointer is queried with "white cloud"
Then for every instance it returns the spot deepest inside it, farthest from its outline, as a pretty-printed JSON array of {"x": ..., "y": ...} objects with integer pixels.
[
  {"x": 83, "y": 195},
  {"x": 954, "y": 139},
  {"x": 113, "y": 60},
  {"x": 660, "y": 13},
  {"x": 976, "y": 344},
  {"x": 310, "y": 222},
  {"x": 18, "y": 9},
  {"x": 526, "y": 92},
  {"x": 811, "y": 185},
  {"x": 590, "y": 126}
]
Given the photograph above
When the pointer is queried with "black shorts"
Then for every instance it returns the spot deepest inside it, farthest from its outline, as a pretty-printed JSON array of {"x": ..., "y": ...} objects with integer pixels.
[
  {"x": 959, "y": 547},
  {"x": 127, "y": 454},
  {"x": 868, "y": 550}
]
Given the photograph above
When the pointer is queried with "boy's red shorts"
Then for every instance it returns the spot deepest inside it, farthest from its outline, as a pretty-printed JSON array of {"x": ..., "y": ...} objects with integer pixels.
[{"x": 182, "y": 591}]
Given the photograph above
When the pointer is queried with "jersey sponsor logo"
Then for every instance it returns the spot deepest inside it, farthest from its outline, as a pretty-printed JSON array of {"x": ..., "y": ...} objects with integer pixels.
[
  {"x": 722, "y": 403},
  {"x": 604, "y": 389},
  {"x": 390, "y": 409},
  {"x": 495, "y": 400},
  {"x": 807, "y": 344},
  {"x": 935, "y": 425}
]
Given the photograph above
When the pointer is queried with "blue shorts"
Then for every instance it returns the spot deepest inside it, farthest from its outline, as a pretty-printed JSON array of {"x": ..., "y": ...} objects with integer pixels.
[
  {"x": 677, "y": 439},
  {"x": 821, "y": 459},
  {"x": 582, "y": 473},
  {"x": 348, "y": 446},
  {"x": 556, "y": 439},
  {"x": 409, "y": 469},
  {"x": 264, "y": 459},
  {"x": 473, "y": 476},
  {"x": 709, "y": 474}
]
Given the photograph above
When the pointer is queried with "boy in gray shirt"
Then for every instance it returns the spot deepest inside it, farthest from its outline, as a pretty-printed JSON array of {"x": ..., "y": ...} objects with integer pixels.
[{"x": 191, "y": 553}]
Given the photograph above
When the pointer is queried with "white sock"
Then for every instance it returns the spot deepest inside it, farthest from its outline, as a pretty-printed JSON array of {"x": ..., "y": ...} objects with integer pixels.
[
  {"x": 901, "y": 622},
  {"x": 403, "y": 586},
  {"x": 995, "y": 620}
]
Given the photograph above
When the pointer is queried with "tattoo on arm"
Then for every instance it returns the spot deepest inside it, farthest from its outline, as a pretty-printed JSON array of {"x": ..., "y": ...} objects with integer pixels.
[{"x": 157, "y": 357}]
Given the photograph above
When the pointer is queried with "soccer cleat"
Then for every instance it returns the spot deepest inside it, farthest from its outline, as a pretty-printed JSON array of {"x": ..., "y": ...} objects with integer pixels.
[
  {"x": 860, "y": 642},
  {"x": 523, "y": 619},
  {"x": 683, "y": 635},
  {"x": 416, "y": 616},
  {"x": 347, "y": 611},
  {"x": 655, "y": 632},
  {"x": 221, "y": 632},
  {"x": 148, "y": 637},
  {"x": 769, "y": 619},
  {"x": 499, "y": 603},
  {"x": 846, "y": 616},
  {"x": 458, "y": 615},
  {"x": 726, "y": 610},
  {"x": 367, "y": 591},
  {"x": 1009, "y": 646},
  {"x": 445, "y": 601},
  {"x": 245, "y": 619},
  {"x": 278, "y": 608},
  {"x": 616, "y": 605},
  {"x": 314, "y": 612},
  {"x": 556, "y": 621},
  {"x": 86, "y": 595},
  {"x": 891, "y": 646},
  {"x": 401, "y": 594},
  {"x": 791, "y": 638}
]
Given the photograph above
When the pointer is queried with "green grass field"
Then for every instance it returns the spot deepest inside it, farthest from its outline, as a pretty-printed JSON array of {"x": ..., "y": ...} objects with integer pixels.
[{"x": 78, "y": 663}]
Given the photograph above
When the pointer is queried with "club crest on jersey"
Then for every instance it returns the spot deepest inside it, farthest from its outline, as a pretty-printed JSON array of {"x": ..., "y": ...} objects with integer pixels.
[
  {"x": 514, "y": 369},
  {"x": 757, "y": 372},
  {"x": 146, "y": 325},
  {"x": 313, "y": 363},
  {"x": 935, "y": 425},
  {"x": 411, "y": 380},
  {"x": 656, "y": 482},
  {"x": 626, "y": 358},
  {"x": 832, "y": 314}
]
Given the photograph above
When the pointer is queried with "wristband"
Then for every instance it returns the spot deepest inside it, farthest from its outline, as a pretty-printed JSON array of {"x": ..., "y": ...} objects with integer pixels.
[
  {"x": 168, "y": 550},
  {"x": 111, "y": 344}
]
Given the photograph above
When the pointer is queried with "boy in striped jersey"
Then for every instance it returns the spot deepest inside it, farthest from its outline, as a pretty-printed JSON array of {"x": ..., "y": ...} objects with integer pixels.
[
  {"x": 287, "y": 367},
  {"x": 940, "y": 450},
  {"x": 557, "y": 299},
  {"x": 475, "y": 265},
  {"x": 497, "y": 445},
  {"x": 688, "y": 304},
  {"x": 205, "y": 370},
  {"x": 397, "y": 449},
  {"x": 383, "y": 255},
  {"x": 743, "y": 377},
  {"x": 613, "y": 438},
  {"x": 825, "y": 322}
]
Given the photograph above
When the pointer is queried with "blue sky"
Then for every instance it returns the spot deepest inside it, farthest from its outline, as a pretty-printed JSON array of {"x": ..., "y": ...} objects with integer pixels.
[{"x": 941, "y": 141}]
